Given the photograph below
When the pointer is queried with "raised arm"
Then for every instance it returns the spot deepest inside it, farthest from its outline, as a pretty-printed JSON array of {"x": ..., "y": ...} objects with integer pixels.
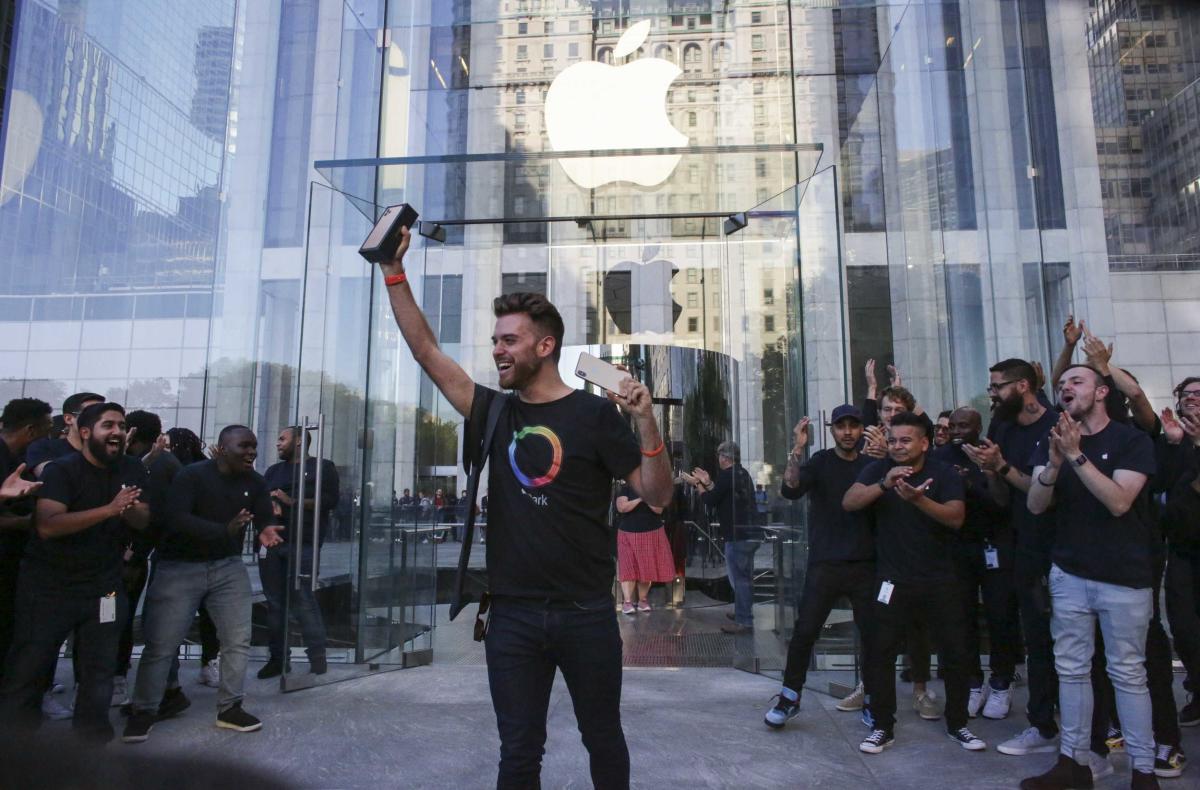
[
  {"x": 447, "y": 375},
  {"x": 1071, "y": 334},
  {"x": 652, "y": 479}
]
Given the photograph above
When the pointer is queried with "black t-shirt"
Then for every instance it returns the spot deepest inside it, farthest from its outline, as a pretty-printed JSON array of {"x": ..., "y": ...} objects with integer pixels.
[
  {"x": 732, "y": 497},
  {"x": 47, "y": 449},
  {"x": 162, "y": 471},
  {"x": 283, "y": 476},
  {"x": 550, "y": 486},
  {"x": 12, "y": 541},
  {"x": 1034, "y": 533},
  {"x": 1091, "y": 542},
  {"x": 88, "y": 562},
  {"x": 641, "y": 518},
  {"x": 200, "y": 504},
  {"x": 984, "y": 517},
  {"x": 834, "y": 534},
  {"x": 909, "y": 545}
]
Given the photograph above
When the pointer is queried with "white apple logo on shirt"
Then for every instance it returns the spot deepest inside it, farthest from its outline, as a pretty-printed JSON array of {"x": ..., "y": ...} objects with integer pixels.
[{"x": 594, "y": 107}]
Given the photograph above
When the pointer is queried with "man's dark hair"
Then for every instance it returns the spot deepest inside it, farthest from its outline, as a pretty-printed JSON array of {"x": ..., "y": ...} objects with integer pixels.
[
  {"x": 149, "y": 426},
  {"x": 1178, "y": 390},
  {"x": 1100, "y": 382},
  {"x": 541, "y": 312},
  {"x": 1016, "y": 369},
  {"x": 298, "y": 432},
  {"x": 913, "y": 419},
  {"x": 20, "y": 412},
  {"x": 185, "y": 445},
  {"x": 899, "y": 394},
  {"x": 74, "y": 404},
  {"x": 228, "y": 429},
  {"x": 945, "y": 414},
  {"x": 92, "y": 414}
]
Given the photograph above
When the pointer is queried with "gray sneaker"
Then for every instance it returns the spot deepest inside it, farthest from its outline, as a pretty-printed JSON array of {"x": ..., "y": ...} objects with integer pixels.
[
  {"x": 210, "y": 674},
  {"x": 926, "y": 706},
  {"x": 1029, "y": 742},
  {"x": 854, "y": 700}
]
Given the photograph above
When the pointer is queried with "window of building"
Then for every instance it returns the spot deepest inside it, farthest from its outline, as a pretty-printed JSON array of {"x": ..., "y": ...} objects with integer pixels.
[
  {"x": 757, "y": 42},
  {"x": 693, "y": 324},
  {"x": 522, "y": 52},
  {"x": 548, "y": 28},
  {"x": 547, "y": 50},
  {"x": 573, "y": 50},
  {"x": 691, "y": 116},
  {"x": 693, "y": 300},
  {"x": 522, "y": 28},
  {"x": 768, "y": 296},
  {"x": 520, "y": 97},
  {"x": 755, "y": 17},
  {"x": 768, "y": 323}
]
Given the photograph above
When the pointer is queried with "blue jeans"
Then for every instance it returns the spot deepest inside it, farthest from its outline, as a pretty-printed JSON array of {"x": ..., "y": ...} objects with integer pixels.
[
  {"x": 1124, "y": 617},
  {"x": 275, "y": 570},
  {"x": 526, "y": 641},
  {"x": 175, "y": 592},
  {"x": 739, "y": 566}
]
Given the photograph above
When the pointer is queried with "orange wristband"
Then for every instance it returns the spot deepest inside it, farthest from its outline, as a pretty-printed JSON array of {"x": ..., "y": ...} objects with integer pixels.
[
  {"x": 662, "y": 445},
  {"x": 395, "y": 279}
]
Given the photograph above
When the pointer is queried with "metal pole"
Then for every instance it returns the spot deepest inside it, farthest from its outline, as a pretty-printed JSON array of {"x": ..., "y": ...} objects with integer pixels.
[
  {"x": 316, "y": 534},
  {"x": 298, "y": 507}
]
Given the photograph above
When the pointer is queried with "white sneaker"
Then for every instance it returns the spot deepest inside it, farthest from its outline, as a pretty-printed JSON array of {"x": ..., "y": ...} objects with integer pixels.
[
  {"x": 853, "y": 700},
  {"x": 120, "y": 693},
  {"x": 210, "y": 673},
  {"x": 1028, "y": 742},
  {"x": 54, "y": 710},
  {"x": 999, "y": 703},
  {"x": 976, "y": 700},
  {"x": 1100, "y": 766}
]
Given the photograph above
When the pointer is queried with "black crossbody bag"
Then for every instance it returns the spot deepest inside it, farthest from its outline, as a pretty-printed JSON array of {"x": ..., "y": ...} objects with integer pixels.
[{"x": 475, "y": 458}]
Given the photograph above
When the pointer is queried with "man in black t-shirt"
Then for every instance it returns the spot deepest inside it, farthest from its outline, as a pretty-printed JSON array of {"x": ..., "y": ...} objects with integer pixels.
[
  {"x": 1019, "y": 422},
  {"x": 24, "y": 421},
  {"x": 553, "y": 458},
  {"x": 1093, "y": 473},
  {"x": 198, "y": 562},
  {"x": 275, "y": 563},
  {"x": 71, "y": 576},
  {"x": 841, "y": 553},
  {"x": 918, "y": 506}
]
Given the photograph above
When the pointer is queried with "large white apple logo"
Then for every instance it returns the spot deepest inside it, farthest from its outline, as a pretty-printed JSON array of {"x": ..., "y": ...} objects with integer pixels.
[{"x": 594, "y": 107}]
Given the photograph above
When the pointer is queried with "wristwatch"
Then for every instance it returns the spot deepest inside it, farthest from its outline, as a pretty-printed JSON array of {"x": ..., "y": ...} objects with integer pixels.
[
  {"x": 1003, "y": 471},
  {"x": 1081, "y": 460},
  {"x": 883, "y": 485}
]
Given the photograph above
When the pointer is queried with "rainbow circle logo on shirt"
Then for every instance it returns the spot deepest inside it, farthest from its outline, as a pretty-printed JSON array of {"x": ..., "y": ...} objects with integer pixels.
[{"x": 555, "y": 461}]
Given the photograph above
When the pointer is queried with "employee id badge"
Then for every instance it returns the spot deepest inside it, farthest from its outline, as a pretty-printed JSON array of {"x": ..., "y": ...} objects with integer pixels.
[
  {"x": 885, "y": 593},
  {"x": 108, "y": 608},
  {"x": 991, "y": 557}
]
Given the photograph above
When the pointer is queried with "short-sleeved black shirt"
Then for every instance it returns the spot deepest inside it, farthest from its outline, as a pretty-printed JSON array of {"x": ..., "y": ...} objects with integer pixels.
[
  {"x": 911, "y": 547},
  {"x": 88, "y": 562},
  {"x": 641, "y": 518},
  {"x": 1034, "y": 533},
  {"x": 834, "y": 534},
  {"x": 550, "y": 487},
  {"x": 47, "y": 449},
  {"x": 1090, "y": 541}
]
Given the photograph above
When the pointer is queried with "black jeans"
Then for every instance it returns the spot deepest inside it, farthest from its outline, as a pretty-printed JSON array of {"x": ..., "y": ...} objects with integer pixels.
[
  {"x": 995, "y": 587},
  {"x": 1033, "y": 600},
  {"x": 824, "y": 584},
  {"x": 940, "y": 607},
  {"x": 133, "y": 574},
  {"x": 275, "y": 570},
  {"x": 44, "y": 619},
  {"x": 9, "y": 571},
  {"x": 526, "y": 641},
  {"x": 1183, "y": 613}
]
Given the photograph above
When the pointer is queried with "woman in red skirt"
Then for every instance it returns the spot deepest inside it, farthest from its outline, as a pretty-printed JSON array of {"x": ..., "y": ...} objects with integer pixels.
[{"x": 643, "y": 552}]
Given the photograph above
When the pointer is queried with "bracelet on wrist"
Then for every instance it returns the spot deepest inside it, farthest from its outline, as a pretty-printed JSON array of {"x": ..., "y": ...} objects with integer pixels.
[
  {"x": 662, "y": 445},
  {"x": 395, "y": 279}
]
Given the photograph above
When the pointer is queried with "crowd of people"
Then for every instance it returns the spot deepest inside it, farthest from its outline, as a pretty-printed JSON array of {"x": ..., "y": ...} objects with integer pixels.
[
  {"x": 1060, "y": 526},
  {"x": 111, "y": 511}
]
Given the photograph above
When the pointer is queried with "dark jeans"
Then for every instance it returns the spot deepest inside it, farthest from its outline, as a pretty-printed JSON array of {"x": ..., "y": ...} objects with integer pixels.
[
  {"x": 1033, "y": 599},
  {"x": 9, "y": 571},
  {"x": 526, "y": 641},
  {"x": 44, "y": 619},
  {"x": 824, "y": 584},
  {"x": 995, "y": 587},
  {"x": 1183, "y": 613},
  {"x": 940, "y": 606},
  {"x": 133, "y": 574},
  {"x": 275, "y": 570}
]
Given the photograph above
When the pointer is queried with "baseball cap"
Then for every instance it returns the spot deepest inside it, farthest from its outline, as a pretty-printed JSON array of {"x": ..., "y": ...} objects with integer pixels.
[{"x": 846, "y": 411}]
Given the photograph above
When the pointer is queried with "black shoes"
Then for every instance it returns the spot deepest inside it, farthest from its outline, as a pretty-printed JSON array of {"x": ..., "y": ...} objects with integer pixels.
[
  {"x": 235, "y": 718},
  {"x": 173, "y": 703},
  {"x": 1065, "y": 775},
  {"x": 137, "y": 729},
  {"x": 1189, "y": 715},
  {"x": 318, "y": 665},
  {"x": 272, "y": 669}
]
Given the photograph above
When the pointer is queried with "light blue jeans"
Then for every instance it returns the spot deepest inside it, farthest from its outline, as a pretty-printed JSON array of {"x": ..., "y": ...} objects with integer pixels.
[
  {"x": 1124, "y": 616},
  {"x": 176, "y": 591},
  {"x": 739, "y": 566}
]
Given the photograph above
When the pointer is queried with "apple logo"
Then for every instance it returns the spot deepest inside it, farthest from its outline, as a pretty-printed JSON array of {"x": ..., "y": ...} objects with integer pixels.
[
  {"x": 650, "y": 280},
  {"x": 594, "y": 107}
]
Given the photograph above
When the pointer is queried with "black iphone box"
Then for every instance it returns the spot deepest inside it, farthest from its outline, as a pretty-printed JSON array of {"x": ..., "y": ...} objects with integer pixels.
[{"x": 384, "y": 239}]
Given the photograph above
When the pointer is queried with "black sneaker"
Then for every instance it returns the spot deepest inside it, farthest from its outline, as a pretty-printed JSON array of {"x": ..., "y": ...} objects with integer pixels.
[
  {"x": 137, "y": 729},
  {"x": 1065, "y": 773},
  {"x": 781, "y": 712},
  {"x": 967, "y": 739},
  {"x": 1189, "y": 716},
  {"x": 272, "y": 669},
  {"x": 173, "y": 703},
  {"x": 876, "y": 742},
  {"x": 235, "y": 718},
  {"x": 1169, "y": 761},
  {"x": 1143, "y": 780},
  {"x": 318, "y": 665}
]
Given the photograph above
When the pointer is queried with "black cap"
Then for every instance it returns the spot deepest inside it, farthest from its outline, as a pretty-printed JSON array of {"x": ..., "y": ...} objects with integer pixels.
[{"x": 846, "y": 411}]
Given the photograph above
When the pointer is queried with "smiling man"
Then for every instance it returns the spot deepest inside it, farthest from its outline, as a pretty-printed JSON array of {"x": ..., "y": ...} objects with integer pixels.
[
  {"x": 70, "y": 578},
  {"x": 199, "y": 563},
  {"x": 555, "y": 453}
]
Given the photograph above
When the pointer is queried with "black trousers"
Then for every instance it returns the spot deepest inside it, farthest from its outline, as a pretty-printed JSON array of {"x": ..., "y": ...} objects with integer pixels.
[
  {"x": 824, "y": 584},
  {"x": 133, "y": 574},
  {"x": 995, "y": 587},
  {"x": 939, "y": 606},
  {"x": 1183, "y": 612},
  {"x": 9, "y": 571},
  {"x": 44, "y": 619},
  {"x": 1033, "y": 600}
]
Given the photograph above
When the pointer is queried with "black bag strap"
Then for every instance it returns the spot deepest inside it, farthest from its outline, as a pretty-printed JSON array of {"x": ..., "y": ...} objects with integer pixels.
[{"x": 460, "y": 598}]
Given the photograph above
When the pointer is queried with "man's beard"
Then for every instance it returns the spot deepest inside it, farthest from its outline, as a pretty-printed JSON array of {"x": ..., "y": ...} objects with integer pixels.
[
  {"x": 1008, "y": 408},
  {"x": 100, "y": 451}
]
